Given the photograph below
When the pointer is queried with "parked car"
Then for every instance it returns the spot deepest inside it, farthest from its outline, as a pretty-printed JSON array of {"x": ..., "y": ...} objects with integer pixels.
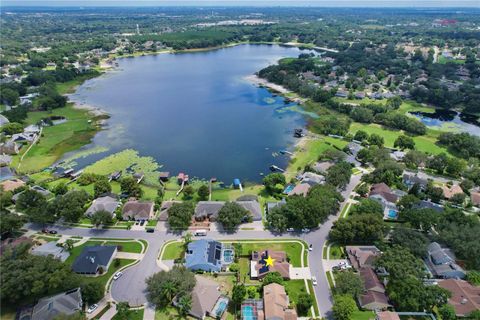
[
  {"x": 290, "y": 230},
  {"x": 45, "y": 230},
  {"x": 92, "y": 308},
  {"x": 314, "y": 281},
  {"x": 310, "y": 248},
  {"x": 137, "y": 222},
  {"x": 142, "y": 222},
  {"x": 305, "y": 230},
  {"x": 52, "y": 232},
  {"x": 117, "y": 275},
  {"x": 150, "y": 230}
]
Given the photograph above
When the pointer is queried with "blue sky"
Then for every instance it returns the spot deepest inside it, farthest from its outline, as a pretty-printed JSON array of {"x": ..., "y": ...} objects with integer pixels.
[{"x": 320, "y": 3}]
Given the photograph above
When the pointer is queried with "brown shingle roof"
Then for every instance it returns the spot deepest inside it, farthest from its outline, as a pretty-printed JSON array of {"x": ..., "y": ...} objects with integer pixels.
[
  {"x": 362, "y": 256},
  {"x": 387, "y": 315},
  {"x": 300, "y": 189},
  {"x": 371, "y": 281},
  {"x": 10, "y": 185},
  {"x": 465, "y": 297},
  {"x": 373, "y": 300},
  {"x": 475, "y": 196},
  {"x": 137, "y": 210},
  {"x": 383, "y": 190},
  {"x": 450, "y": 192},
  {"x": 275, "y": 303},
  {"x": 280, "y": 265}
]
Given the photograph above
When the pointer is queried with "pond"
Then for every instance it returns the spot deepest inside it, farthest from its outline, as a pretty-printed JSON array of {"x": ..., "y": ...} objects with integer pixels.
[
  {"x": 447, "y": 120},
  {"x": 195, "y": 112}
]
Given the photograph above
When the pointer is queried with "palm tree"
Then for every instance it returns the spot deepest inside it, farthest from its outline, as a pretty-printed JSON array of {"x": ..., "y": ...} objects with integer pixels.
[
  {"x": 169, "y": 290},
  {"x": 184, "y": 305}
]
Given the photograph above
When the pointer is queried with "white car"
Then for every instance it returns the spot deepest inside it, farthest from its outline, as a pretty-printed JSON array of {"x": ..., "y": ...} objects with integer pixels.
[
  {"x": 117, "y": 275},
  {"x": 305, "y": 230},
  {"x": 290, "y": 230},
  {"x": 310, "y": 247},
  {"x": 92, "y": 308},
  {"x": 314, "y": 281}
]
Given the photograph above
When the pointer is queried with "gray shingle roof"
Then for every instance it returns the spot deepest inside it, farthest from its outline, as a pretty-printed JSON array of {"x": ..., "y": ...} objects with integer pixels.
[
  {"x": 51, "y": 248},
  {"x": 66, "y": 303},
  {"x": 108, "y": 204},
  {"x": 92, "y": 257}
]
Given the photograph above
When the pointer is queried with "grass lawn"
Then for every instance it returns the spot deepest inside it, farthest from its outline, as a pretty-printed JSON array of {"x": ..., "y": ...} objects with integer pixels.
[
  {"x": 363, "y": 315},
  {"x": 128, "y": 246},
  {"x": 103, "y": 279},
  {"x": 169, "y": 313},
  {"x": 152, "y": 223},
  {"x": 293, "y": 250},
  {"x": 308, "y": 153},
  {"x": 330, "y": 279},
  {"x": 47, "y": 238},
  {"x": 70, "y": 86},
  {"x": 59, "y": 139},
  {"x": 173, "y": 250},
  {"x": 101, "y": 313},
  {"x": 294, "y": 288},
  {"x": 345, "y": 210},
  {"x": 424, "y": 143},
  {"x": 336, "y": 252},
  {"x": 132, "y": 315},
  {"x": 7, "y": 313}
]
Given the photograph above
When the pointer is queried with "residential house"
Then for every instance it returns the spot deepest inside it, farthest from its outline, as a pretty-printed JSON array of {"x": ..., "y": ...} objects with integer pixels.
[
  {"x": 475, "y": 198},
  {"x": 163, "y": 216},
  {"x": 164, "y": 176},
  {"x": 354, "y": 148},
  {"x": 465, "y": 297},
  {"x": 182, "y": 178},
  {"x": 138, "y": 210},
  {"x": 9, "y": 147},
  {"x": 271, "y": 205},
  {"x": 32, "y": 129},
  {"x": 383, "y": 194},
  {"x": 311, "y": 178},
  {"x": 5, "y": 160},
  {"x": 341, "y": 94},
  {"x": 36, "y": 188},
  {"x": 93, "y": 259},
  {"x": 12, "y": 184},
  {"x": 423, "y": 204},
  {"x": 397, "y": 155},
  {"x": 208, "y": 210},
  {"x": 372, "y": 300},
  {"x": 207, "y": 300},
  {"x": 51, "y": 249},
  {"x": 362, "y": 256},
  {"x": 3, "y": 120},
  {"x": 6, "y": 173},
  {"x": 276, "y": 303},
  {"x": 370, "y": 280},
  {"x": 259, "y": 268},
  {"x": 387, "y": 315},
  {"x": 24, "y": 137},
  {"x": 300, "y": 189},
  {"x": 106, "y": 203},
  {"x": 11, "y": 243},
  {"x": 208, "y": 255},
  {"x": 448, "y": 193},
  {"x": 441, "y": 263},
  {"x": 322, "y": 167},
  {"x": 63, "y": 304}
]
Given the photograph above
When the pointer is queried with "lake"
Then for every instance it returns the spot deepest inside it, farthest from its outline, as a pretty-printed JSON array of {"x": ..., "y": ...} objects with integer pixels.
[
  {"x": 448, "y": 120},
  {"x": 195, "y": 112}
]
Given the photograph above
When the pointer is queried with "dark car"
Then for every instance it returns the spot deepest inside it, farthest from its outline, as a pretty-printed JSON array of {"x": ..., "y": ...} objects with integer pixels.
[
  {"x": 142, "y": 222},
  {"x": 52, "y": 232},
  {"x": 150, "y": 230}
]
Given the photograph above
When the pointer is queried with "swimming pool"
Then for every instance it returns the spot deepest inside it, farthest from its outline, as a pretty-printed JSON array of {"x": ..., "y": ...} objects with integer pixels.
[
  {"x": 220, "y": 307},
  {"x": 392, "y": 214},
  {"x": 228, "y": 256},
  {"x": 248, "y": 313},
  {"x": 288, "y": 188}
]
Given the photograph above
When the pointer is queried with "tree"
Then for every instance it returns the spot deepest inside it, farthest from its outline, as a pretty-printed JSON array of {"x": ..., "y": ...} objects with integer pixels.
[
  {"x": 376, "y": 140},
  {"x": 438, "y": 162},
  {"x": 304, "y": 303},
  {"x": 203, "y": 192},
  {"x": 12, "y": 128},
  {"x": 180, "y": 279},
  {"x": 101, "y": 217},
  {"x": 343, "y": 307},
  {"x": 187, "y": 238},
  {"x": 272, "y": 277},
  {"x": 34, "y": 205},
  {"x": 231, "y": 215},
  {"x": 70, "y": 206},
  {"x": 274, "y": 182},
  {"x": 365, "y": 228},
  {"x": 92, "y": 292},
  {"x": 394, "y": 102},
  {"x": 10, "y": 222},
  {"x": 33, "y": 277},
  {"x": 184, "y": 305},
  {"x": 180, "y": 216},
  {"x": 348, "y": 283},
  {"x": 60, "y": 189},
  {"x": 100, "y": 187},
  {"x": 339, "y": 174},
  {"x": 414, "y": 159},
  {"x": 367, "y": 206},
  {"x": 9, "y": 96},
  {"x": 363, "y": 190},
  {"x": 252, "y": 292},
  {"x": 455, "y": 166},
  {"x": 404, "y": 142},
  {"x": 447, "y": 312},
  {"x": 360, "y": 135},
  {"x": 123, "y": 311},
  {"x": 423, "y": 219},
  {"x": 474, "y": 277},
  {"x": 188, "y": 192},
  {"x": 129, "y": 186},
  {"x": 400, "y": 263},
  {"x": 238, "y": 294},
  {"x": 410, "y": 239},
  {"x": 69, "y": 245}
]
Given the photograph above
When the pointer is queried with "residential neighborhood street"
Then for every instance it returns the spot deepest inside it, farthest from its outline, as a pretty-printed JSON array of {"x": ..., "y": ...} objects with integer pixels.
[{"x": 131, "y": 286}]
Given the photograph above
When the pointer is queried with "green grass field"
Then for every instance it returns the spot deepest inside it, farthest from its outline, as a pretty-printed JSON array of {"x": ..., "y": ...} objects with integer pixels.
[
  {"x": 306, "y": 154},
  {"x": 293, "y": 250},
  {"x": 59, "y": 139},
  {"x": 173, "y": 250},
  {"x": 136, "y": 314}
]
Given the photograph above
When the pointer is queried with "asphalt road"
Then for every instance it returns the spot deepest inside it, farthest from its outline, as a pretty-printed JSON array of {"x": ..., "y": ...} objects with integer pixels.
[{"x": 131, "y": 286}]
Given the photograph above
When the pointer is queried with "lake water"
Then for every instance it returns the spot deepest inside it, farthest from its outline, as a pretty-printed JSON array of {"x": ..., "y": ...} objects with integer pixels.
[
  {"x": 195, "y": 113},
  {"x": 449, "y": 121}
]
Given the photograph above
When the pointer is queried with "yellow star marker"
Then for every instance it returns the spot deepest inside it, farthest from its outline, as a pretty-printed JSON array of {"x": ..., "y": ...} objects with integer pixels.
[{"x": 269, "y": 261}]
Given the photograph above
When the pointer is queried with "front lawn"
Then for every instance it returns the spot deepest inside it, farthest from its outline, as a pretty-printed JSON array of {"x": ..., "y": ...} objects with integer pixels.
[
  {"x": 293, "y": 250},
  {"x": 136, "y": 314},
  {"x": 103, "y": 279},
  {"x": 363, "y": 315},
  {"x": 127, "y": 246},
  {"x": 173, "y": 250},
  {"x": 336, "y": 252}
]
